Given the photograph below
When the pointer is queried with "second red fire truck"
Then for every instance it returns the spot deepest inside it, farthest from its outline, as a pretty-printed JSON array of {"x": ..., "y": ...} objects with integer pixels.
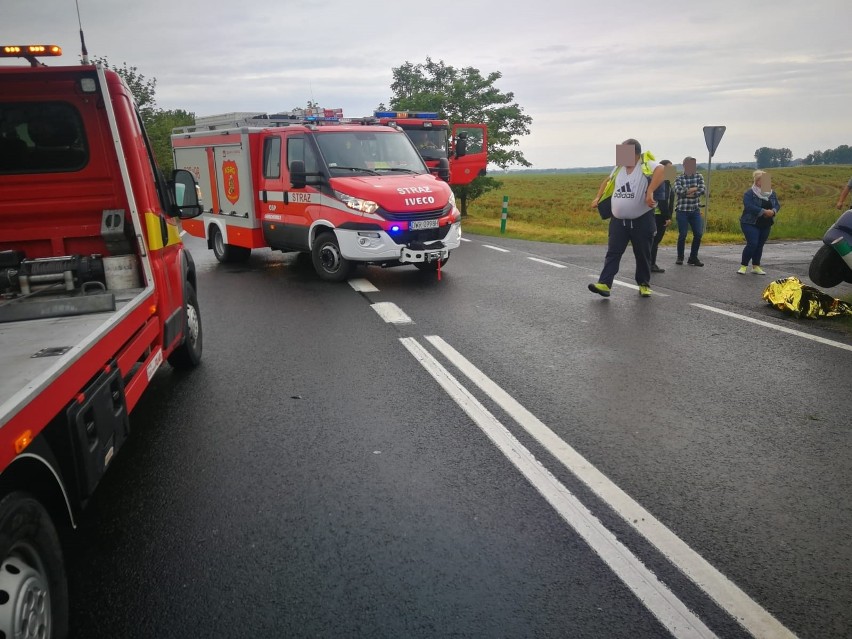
[{"x": 461, "y": 148}]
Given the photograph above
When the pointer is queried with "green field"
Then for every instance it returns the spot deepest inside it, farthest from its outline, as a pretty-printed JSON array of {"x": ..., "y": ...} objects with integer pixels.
[{"x": 556, "y": 207}]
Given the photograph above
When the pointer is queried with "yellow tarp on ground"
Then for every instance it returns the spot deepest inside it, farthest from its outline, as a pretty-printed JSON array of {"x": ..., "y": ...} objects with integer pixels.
[{"x": 791, "y": 295}]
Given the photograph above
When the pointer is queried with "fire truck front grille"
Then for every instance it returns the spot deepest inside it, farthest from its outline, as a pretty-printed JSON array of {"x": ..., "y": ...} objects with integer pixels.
[
  {"x": 419, "y": 215},
  {"x": 426, "y": 235}
]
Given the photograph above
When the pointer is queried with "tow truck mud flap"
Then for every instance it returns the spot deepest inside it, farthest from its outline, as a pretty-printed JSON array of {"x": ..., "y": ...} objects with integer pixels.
[
  {"x": 426, "y": 252},
  {"x": 99, "y": 426}
]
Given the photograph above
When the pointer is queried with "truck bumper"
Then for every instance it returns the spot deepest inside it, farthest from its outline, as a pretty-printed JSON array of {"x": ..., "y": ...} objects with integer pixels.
[{"x": 379, "y": 246}]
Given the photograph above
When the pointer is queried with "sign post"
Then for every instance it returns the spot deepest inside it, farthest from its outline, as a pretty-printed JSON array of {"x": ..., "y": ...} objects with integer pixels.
[{"x": 712, "y": 136}]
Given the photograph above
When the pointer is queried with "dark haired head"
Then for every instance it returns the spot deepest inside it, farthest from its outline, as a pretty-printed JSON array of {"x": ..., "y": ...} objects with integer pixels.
[{"x": 635, "y": 144}]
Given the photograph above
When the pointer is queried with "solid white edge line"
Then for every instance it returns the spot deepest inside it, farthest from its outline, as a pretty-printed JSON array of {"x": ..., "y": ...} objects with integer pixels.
[
  {"x": 391, "y": 313},
  {"x": 783, "y": 329},
  {"x": 654, "y": 595},
  {"x": 747, "y": 612},
  {"x": 362, "y": 285},
  {"x": 495, "y": 248},
  {"x": 538, "y": 259}
]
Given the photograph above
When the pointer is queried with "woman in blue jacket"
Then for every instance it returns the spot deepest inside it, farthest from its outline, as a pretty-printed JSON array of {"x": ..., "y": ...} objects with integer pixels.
[{"x": 759, "y": 210}]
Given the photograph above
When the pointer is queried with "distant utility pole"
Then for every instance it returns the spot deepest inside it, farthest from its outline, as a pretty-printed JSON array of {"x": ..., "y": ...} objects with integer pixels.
[{"x": 712, "y": 136}]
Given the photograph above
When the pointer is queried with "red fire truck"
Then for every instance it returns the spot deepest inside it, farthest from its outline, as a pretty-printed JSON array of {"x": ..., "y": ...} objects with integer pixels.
[
  {"x": 463, "y": 147},
  {"x": 347, "y": 194},
  {"x": 96, "y": 292}
]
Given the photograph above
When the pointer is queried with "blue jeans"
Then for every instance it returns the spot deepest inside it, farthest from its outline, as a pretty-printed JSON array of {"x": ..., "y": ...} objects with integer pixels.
[
  {"x": 689, "y": 220},
  {"x": 755, "y": 238}
]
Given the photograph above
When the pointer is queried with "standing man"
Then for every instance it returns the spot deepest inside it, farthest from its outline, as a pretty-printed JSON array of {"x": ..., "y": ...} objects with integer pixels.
[
  {"x": 632, "y": 220},
  {"x": 843, "y": 195},
  {"x": 663, "y": 217},
  {"x": 689, "y": 187}
]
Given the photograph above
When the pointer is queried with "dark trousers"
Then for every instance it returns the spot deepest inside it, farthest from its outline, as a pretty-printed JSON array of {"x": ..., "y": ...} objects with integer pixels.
[
  {"x": 661, "y": 230},
  {"x": 755, "y": 237},
  {"x": 639, "y": 233}
]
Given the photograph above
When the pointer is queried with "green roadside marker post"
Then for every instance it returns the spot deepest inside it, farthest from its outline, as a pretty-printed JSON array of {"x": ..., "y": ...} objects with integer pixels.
[{"x": 504, "y": 216}]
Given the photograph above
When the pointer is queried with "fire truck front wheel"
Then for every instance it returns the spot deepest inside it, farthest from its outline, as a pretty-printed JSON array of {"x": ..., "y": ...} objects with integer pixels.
[
  {"x": 33, "y": 588},
  {"x": 329, "y": 264},
  {"x": 227, "y": 252}
]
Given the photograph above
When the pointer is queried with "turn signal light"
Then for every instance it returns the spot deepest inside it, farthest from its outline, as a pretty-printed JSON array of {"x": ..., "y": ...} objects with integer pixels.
[{"x": 24, "y": 440}]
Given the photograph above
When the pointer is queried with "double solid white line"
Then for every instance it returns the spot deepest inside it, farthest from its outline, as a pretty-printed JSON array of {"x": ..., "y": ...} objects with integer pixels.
[{"x": 655, "y": 595}]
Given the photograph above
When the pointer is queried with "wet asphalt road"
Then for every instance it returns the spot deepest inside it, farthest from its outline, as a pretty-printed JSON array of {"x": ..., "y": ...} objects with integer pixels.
[{"x": 312, "y": 479}]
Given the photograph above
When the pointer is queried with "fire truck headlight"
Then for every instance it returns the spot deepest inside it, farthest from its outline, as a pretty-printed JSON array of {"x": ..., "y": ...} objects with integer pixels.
[
  {"x": 452, "y": 199},
  {"x": 362, "y": 206}
]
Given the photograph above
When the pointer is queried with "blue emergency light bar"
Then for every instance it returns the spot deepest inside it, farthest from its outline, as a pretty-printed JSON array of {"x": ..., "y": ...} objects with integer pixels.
[{"x": 422, "y": 115}]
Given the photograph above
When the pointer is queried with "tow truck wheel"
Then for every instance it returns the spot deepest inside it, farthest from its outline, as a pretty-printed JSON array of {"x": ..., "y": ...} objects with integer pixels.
[
  {"x": 827, "y": 268},
  {"x": 33, "y": 588},
  {"x": 188, "y": 354},
  {"x": 227, "y": 252},
  {"x": 329, "y": 264},
  {"x": 431, "y": 267}
]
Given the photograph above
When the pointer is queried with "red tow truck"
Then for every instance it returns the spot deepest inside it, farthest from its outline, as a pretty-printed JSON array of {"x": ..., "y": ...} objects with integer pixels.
[
  {"x": 345, "y": 193},
  {"x": 96, "y": 292},
  {"x": 463, "y": 148}
]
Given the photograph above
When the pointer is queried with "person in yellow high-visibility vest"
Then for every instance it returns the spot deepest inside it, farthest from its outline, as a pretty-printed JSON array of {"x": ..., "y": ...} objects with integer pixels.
[{"x": 632, "y": 220}]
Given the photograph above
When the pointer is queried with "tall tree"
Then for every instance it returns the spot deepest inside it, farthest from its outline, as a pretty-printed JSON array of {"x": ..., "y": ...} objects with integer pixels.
[
  {"x": 465, "y": 95},
  {"x": 770, "y": 158},
  {"x": 158, "y": 122},
  {"x": 160, "y": 132}
]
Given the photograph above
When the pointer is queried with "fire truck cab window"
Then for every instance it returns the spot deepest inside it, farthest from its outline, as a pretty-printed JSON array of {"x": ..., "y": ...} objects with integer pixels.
[
  {"x": 299, "y": 149},
  {"x": 272, "y": 157},
  {"x": 41, "y": 137}
]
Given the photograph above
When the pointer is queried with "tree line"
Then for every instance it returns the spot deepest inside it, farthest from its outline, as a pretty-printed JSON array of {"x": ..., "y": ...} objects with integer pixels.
[{"x": 768, "y": 157}]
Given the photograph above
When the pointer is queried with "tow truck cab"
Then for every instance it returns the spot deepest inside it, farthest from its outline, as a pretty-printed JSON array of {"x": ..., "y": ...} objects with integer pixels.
[{"x": 96, "y": 292}]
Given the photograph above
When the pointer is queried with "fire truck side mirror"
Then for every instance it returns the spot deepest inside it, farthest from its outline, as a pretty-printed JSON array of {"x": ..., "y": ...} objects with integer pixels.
[
  {"x": 443, "y": 169},
  {"x": 184, "y": 190},
  {"x": 461, "y": 144},
  {"x": 298, "y": 177}
]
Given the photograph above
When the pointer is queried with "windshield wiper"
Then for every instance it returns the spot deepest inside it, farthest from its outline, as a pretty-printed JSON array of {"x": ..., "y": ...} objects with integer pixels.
[
  {"x": 354, "y": 168},
  {"x": 399, "y": 169}
]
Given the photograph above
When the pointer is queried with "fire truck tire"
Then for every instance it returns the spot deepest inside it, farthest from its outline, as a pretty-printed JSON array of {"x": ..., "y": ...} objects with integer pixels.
[
  {"x": 188, "y": 355},
  {"x": 227, "y": 252},
  {"x": 329, "y": 264},
  {"x": 431, "y": 267},
  {"x": 33, "y": 586},
  {"x": 827, "y": 268}
]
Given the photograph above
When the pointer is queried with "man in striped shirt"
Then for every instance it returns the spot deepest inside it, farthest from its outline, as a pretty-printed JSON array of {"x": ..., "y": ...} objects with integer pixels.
[{"x": 689, "y": 187}]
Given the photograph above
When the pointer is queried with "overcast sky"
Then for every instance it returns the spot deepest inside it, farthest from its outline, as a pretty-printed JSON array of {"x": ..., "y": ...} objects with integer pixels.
[{"x": 590, "y": 74}]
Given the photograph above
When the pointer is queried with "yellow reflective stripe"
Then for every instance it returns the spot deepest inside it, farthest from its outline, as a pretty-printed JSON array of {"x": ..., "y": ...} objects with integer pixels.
[{"x": 155, "y": 232}]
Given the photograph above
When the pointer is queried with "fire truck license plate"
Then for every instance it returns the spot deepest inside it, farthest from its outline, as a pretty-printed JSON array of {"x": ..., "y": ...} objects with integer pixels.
[{"x": 418, "y": 225}]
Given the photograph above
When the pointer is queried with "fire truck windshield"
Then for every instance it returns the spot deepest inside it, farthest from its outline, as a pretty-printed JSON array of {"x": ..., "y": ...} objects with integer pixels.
[
  {"x": 431, "y": 143},
  {"x": 367, "y": 151}
]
